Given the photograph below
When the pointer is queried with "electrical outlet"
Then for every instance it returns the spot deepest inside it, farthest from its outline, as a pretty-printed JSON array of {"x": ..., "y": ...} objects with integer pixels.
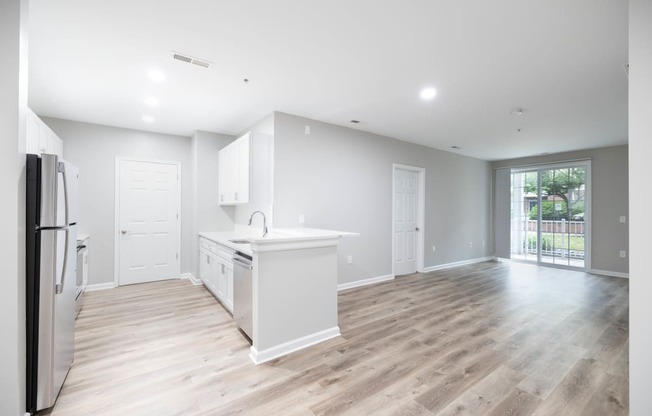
[
  {"x": 349, "y": 259},
  {"x": 471, "y": 244},
  {"x": 433, "y": 249},
  {"x": 623, "y": 219},
  {"x": 307, "y": 129},
  {"x": 623, "y": 253},
  {"x": 302, "y": 218}
]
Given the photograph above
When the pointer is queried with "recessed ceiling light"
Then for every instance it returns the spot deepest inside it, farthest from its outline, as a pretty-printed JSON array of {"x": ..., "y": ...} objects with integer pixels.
[
  {"x": 151, "y": 101},
  {"x": 156, "y": 75},
  {"x": 428, "y": 93},
  {"x": 455, "y": 147},
  {"x": 148, "y": 119},
  {"x": 354, "y": 121},
  {"x": 517, "y": 111}
]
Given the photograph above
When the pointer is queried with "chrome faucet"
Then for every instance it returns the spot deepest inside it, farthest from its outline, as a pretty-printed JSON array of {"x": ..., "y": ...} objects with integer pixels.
[{"x": 264, "y": 221}]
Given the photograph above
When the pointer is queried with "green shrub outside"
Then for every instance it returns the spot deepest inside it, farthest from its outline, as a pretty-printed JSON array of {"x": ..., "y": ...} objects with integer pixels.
[
  {"x": 550, "y": 214},
  {"x": 575, "y": 243}
]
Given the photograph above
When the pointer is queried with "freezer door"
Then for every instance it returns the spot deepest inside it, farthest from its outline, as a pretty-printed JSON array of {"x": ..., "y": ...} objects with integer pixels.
[
  {"x": 52, "y": 193},
  {"x": 59, "y": 183}
]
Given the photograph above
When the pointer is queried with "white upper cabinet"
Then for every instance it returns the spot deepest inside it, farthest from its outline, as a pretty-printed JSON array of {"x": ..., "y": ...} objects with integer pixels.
[
  {"x": 234, "y": 167},
  {"x": 40, "y": 138},
  {"x": 243, "y": 165}
]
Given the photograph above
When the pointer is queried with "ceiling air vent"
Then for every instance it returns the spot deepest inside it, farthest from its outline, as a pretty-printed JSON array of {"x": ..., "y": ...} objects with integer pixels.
[{"x": 191, "y": 60}]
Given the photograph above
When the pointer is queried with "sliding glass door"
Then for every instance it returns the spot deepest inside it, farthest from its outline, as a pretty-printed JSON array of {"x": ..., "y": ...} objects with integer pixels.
[{"x": 550, "y": 214}]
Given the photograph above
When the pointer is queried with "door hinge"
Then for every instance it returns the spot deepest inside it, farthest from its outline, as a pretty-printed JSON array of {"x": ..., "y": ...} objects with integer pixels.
[
  {"x": 177, "y": 256},
  {"x": 177, "y": 216}
]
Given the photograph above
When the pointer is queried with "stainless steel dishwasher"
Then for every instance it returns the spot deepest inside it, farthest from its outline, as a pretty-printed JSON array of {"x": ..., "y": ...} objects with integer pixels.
[{"x": 242, "y": 292}]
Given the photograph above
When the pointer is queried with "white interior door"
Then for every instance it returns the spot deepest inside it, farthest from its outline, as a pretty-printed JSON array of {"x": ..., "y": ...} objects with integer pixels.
[
  {"x": 406, "y": 221},
  {"x": 148, "y": 221}
]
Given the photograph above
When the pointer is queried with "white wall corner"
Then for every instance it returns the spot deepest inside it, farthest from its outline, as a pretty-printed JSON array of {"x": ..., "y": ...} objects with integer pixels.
[
  {"x": 609, "y": 273},
  {"x": 100, "y": 286},
  {"x": 364, "y": 282},
  {"x": 259, "y": 357},
  {"x": 458, "y": 263},
  {"x": 195, "y": 281}
]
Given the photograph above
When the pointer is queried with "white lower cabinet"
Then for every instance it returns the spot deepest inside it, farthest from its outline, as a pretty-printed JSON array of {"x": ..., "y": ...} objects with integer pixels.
[{"x": 216, "y": 270}]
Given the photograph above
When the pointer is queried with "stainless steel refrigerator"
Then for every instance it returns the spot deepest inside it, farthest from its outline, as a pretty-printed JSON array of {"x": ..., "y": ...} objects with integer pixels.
[{"x": 51, "y": 276}]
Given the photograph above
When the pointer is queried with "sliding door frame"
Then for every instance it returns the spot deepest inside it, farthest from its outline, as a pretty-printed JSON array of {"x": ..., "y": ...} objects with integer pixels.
[{"x": 586, "y": 163}]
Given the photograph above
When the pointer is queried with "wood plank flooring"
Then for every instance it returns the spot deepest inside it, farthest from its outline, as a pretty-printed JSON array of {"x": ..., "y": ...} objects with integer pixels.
[{"x": 487, "y": 339}]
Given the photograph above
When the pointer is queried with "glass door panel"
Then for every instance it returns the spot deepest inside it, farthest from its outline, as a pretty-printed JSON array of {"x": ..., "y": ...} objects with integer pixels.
[{"x": 548, "y": 212}]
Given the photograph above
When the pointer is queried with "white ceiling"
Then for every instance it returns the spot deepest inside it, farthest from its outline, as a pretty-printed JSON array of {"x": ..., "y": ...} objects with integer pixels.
[{"x": 562, "y": 61}]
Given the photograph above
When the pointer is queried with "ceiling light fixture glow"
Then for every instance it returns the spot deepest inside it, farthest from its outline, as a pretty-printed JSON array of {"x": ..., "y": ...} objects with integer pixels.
[
  {"x": 152, "y": 102},
  {"x": 148, "y": 119},
  {"x": 428, "y": 93},
  {"x": 156, "y": 75}
]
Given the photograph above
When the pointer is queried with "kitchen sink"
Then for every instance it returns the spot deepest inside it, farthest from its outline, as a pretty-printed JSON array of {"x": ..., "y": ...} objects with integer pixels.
[{"x": 239, "y": 241}]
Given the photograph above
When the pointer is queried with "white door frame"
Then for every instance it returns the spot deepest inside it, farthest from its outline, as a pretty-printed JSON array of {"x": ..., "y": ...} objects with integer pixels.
[
  {"x": 116, "y": 227},
  {"x": 421, "y": 205}
]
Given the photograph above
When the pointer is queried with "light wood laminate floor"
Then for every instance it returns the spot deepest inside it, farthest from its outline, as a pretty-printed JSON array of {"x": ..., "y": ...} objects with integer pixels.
[{"x": 487, "y": 339}]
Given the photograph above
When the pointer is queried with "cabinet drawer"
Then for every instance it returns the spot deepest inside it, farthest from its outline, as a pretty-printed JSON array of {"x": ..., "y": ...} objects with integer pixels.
[
  {"x": 208, "y": 245},
  {"x": 225, "y": 253}
]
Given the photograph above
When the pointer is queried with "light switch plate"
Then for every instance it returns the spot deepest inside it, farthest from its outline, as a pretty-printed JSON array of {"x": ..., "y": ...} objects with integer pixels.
[{"x": 623, "y": 219}]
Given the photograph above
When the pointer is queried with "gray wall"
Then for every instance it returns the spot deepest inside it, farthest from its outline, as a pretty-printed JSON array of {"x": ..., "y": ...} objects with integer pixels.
[
  {"x": 94, "y": 148},
  {"x": 13, "y": 107},
  {"x": 261, "y": 193},
  {"x": 208, "y": 214},
  {"x": 341, "y": 179},
  {"x": 609, "y": 201},
  {"x": 640, "y": 149}
]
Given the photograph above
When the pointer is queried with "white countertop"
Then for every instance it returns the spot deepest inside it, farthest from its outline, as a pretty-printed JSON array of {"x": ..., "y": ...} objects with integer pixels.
[{"x": 274, "y": 237}]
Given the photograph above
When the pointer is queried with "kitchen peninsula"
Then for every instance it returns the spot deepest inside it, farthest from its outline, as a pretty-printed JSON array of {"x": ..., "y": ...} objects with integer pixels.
[{"x": 293, "y": 286}]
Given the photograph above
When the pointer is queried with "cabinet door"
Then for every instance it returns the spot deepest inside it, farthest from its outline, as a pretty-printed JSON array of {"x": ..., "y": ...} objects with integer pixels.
[
  {"x": 32, "y": 134},
  {"x": 229, "y": 286},
  {"x": 58, "y": 146},
  {"x": 214, "y": 274},
  {"x": 234, "y": 173},
  {"x": 204, "y": 267},
  {"x": 221, "y": 281},
  {"x": 222, "y": 176},
  {"x": 43, "y": 138}
]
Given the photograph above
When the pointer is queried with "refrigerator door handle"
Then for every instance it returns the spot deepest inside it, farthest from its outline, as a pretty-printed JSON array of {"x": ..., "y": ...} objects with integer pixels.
[
  {"x": 62, "y": 168},
  {"x": 58, "y": 287}
]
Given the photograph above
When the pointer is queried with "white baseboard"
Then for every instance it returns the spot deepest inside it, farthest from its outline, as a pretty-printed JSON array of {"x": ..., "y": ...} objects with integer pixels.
[
  {"x": 458, "y": 263},
  {"x": 608, "y": 273},
  {"x": 259, "y": 357},
  {"x": 364, "y": 282},
  {"x": 192, "y": 278},
  {"x": 99, "y": 286}
]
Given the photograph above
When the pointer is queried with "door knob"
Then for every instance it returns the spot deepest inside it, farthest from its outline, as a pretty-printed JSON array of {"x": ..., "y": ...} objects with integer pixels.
[
  {"x": 417, "y": 229},
  {"x": 123, "y": 232}
]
